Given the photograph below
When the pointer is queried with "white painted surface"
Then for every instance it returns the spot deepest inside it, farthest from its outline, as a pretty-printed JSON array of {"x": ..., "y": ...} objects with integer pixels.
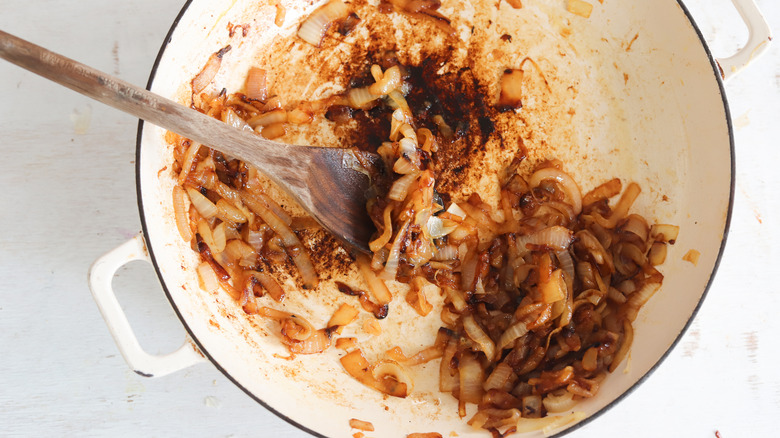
[{"x": 68, "y": 195}]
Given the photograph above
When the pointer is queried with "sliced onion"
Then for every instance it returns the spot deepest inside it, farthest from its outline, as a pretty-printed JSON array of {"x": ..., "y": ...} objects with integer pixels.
[
  {"x": 502, "y": 376},
  {"x": 344, "y": 315},
  {"x": 346, "y": 343},
  {"x": 208, "y": 72},
  {"x": 242, "y": 252},
  {"x": 566, "y": 182},
  {"x": 278, "y": 115},
  {"x": 638, "y": 299},
  {"x": 220, "y": 238},
  {"x": 511, "y": 90},
  {"x": 375, "y": 284},
  {"x": 391, "y": 79},
  {"x": 446, "y": 253},
  {"x": 557, "y": 238},
  {"x": 231, "y": 118},
  {"x": 391, "y": 267},
  {"x": 180, "y": 213},
  {"x": 657, "y": 254},
  {"x": 515, "y": 331},
  {"x": 228, "y": 213},
  {"x": 270, "y": 285},
  {"x": 559, "y": 403},
  {"x": 188, "y": 161},
  {"x": 292, "y": 244},
  {"x": 471, "y": 377},
  {"x": 417, "y": 297},
  {"x": 361, "y": 425},
  {"x": 314, "y": 27},
  {"x": 604, "y": 191},
  {"x": 392, "y": 379},
  {"x": 272, "y": 131},
  {"x": 400, "y": 187},
  {"x": 448, "y": 380},
  {"x": 255, "y": 86},
  {"x": 318, "y": 342},
  {"x": 554, "y": 289},
  {"x": 475, "y": 332},
  {"x": 621, "y": 209},
  {"x": 205, "y": 208},
  {"x": 361, "y": 98},
  {"x": 208, "y": 279},
  {"x": 387, "y": 231},
  {"x": 664, "y": 233},
  {"x": 625, "y": 346}
]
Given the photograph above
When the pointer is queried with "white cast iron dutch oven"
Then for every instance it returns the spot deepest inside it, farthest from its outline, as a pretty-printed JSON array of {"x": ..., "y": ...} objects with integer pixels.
[{"x": 633, "y": 92}]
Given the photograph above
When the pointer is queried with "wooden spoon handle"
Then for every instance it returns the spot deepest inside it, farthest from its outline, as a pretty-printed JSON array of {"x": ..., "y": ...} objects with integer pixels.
[{"x": 276, "y": 158}]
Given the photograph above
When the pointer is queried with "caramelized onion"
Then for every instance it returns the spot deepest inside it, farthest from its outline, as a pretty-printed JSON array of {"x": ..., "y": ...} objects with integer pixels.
[
  {"x": 255, "y": 86},
  {"x": 209, "y": 70},
  {"x": 314, "y": 27}
]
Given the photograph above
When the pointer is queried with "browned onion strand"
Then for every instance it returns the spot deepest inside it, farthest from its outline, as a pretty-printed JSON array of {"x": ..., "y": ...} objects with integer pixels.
[{"x": 539, "y": 289}]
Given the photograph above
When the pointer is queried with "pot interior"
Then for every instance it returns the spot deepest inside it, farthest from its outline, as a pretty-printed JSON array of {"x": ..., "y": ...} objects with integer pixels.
[{"x": 630, "y": 92}]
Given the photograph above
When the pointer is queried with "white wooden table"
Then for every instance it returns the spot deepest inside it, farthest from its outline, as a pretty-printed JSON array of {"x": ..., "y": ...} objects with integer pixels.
[{"x": 67, "y": 195}]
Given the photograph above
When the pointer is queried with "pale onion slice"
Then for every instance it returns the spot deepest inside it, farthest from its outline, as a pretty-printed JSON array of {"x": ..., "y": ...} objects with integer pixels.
[
  {"x": 231, "y": 118},
  {"x": 228, "y": 213},
  {"x": 515, "y": 331},
  {"x": 418, "y": 294},
  {"x": 376, "y": 286},
  {"x": 625, "y": 346},
  {"x": 270, "y": 285},
  {"x": 390, "y": 80},
  {"x": 559, "y": 401},
  {"x": 278, "y": 115},
  {"x": 256, "y": 84},
  {"x": 566, "y": 182},
  {"x": 387, "y": 233},
  {"x": 555, "y": 289},
  {"x": 579, "y": 7},
  {"x": 361, "y": 98},
  {"x": 344, "y": 315},
  {"x": 205, "y": 233},
  {"x": 361, "y": 425},
  {"x": 478, "y": 335},
  {"x": 318, "y": 342},
  {"x": 604, "y": 191},
  {"x": 438, "y": 227},
  {"x": 664, "y": 232},
  {"x": 657, "y": 254},
  {"x": 471, "y": 377},
  {"x": 313, "y": 29},
  {"x": 548, "y": 424},
  {"x": 621, "y": 209},
  {"x": 557, "y": 238},
  {"x": 511, "y": 85},
  {"x": 392, "y": 378},
  {"x": 209, "y": 70},
  {"x": 180, "y": 213},
  {"x": 391, "y": 266},
  {"x": 292, "y": 244},
  {"x": 638, "y": 299},
  {"x": 241, "y": 252},
  {"x": 502, "y": 376},
  {"x": 208, "y": 278},
  {"x": 220, "y": 238},
  {"x": 205, "y": 207},
  {"x": 187, "y": 162}
]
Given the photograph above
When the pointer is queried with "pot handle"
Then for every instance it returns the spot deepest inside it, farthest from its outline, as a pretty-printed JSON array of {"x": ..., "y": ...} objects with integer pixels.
[
  {"x": 759, "y": 36},
  {"x": 101, "y": 274}
]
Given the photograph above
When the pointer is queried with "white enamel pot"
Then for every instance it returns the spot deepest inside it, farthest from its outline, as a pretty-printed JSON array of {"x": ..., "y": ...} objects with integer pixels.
[{"x": 648, "y": 106}]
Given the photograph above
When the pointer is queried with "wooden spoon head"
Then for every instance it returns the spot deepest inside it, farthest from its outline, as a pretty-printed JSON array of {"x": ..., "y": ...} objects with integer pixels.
[{"x": 339, "y": 195}]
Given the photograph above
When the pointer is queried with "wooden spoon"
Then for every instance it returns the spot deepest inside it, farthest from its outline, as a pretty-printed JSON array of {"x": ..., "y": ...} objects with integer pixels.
[{"x": 317, "y": 177}]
